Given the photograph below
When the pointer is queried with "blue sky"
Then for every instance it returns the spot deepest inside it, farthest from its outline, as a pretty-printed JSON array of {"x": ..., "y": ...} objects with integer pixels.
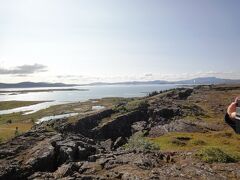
[{"x": 81, "y": 41}]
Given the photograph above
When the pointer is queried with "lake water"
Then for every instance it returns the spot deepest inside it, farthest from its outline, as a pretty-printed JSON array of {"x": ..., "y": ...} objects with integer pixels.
[
  {"x": 61, "y": 97},
  {"x": 49, "y": 118}
]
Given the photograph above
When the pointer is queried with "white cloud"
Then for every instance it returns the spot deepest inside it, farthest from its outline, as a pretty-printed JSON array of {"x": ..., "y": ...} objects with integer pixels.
[{"x": 24, "y": 69}]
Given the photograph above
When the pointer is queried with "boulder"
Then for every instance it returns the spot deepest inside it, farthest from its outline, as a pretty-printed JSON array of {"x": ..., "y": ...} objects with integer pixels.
[
  {"x": 138, "y": 126},
  {"x": 184, "y": 94},
  {"x": 65, "y": 170},
  {"x": 107, "y": 145},
  {"x": 176, "y": 126},
  {"x": 41, "y": 157}
]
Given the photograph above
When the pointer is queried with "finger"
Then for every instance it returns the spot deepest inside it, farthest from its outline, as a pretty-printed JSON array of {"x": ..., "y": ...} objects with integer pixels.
[{"x": 231, "y": 108}]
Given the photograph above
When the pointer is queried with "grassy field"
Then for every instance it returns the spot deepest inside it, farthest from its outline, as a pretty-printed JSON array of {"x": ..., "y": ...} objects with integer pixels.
[
  {"x": 225, "y": 140},
  {"x": 214, "y": 103},
  {"x": 8, "y": 131},
  {"x": 4, "y": 105},
  {"x": 9, "y": 122}
]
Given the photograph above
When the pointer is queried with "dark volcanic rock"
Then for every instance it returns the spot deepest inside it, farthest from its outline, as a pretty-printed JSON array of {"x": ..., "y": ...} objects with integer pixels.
[
  {"x": 107, "y": 145},
  {"x": 176, "y": 126},
  {"x": 41, "y": 157},
  {"x": 166, "y": 113},
  {"x": 184, "y": 94},
  {"x": 85, "y": 124},
  {"x": 139, "y": 126},
  {"x": 119, "y": 142},
  {"x": 66, "y": 170},
  {"x": 92, "y": 147},
  {"x": 120, "y": 126},
  {"x": 45, "y": 155}
]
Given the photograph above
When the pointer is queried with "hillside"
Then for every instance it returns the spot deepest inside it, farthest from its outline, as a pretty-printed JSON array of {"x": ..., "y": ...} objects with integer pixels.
[
  {"x": 200, "y": 80},
  {"x": 175, "y": 134}
]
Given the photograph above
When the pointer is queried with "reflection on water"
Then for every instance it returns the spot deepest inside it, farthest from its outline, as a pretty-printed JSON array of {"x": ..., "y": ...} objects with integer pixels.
[
  {"x": 95, "y": 108},
  {"x": 48, "y": 118},
  {"x": 95, "y": 92}
]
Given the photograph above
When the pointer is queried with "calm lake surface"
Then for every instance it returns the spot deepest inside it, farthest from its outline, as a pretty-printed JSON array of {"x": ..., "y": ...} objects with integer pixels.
[{"x": 61, "y": 97}]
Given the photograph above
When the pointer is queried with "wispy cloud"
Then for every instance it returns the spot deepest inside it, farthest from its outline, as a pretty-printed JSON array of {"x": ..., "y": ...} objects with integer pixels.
[
  {"x": 24, "y": 69},
  {"x": 69, "y": 76}
]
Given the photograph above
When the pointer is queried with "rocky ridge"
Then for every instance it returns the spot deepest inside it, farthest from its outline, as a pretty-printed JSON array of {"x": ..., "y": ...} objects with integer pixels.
[{"x": 92, "y": 147}]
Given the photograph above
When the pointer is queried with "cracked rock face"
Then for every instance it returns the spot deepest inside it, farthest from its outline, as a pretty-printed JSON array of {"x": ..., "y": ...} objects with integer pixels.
[
  {"x": 177, "y": 126},
  {"x": 45, "y": 155}
]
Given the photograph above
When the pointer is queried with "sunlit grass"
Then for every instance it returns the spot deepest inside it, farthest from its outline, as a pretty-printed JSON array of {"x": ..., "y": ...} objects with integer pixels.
[
  {"x": 9, "y": 122},
  {"x": 7, "y": 131},
  {"x": 225, "y": 140},
  {"x": 4, "y": 105}
]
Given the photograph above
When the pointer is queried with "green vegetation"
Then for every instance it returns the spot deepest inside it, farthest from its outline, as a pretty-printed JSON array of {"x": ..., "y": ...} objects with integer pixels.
[
  {"x": 4, "y": 105},
  {"x": 178, "y": 142},
  {"x": 211, "y": 109},
  {"x": 131, "y": 106},
  {"x": 9, "y": 122},
  {"x": 139, "y": 142},
  {"x": 195, "y": 141},
  {"x": 213, "y": 154},
  {"x": 8, "y": 131},
  {"x": 16, "y": 131},
  {"x": 154, "y": 93},
  {"x": 199, "y": 142}
]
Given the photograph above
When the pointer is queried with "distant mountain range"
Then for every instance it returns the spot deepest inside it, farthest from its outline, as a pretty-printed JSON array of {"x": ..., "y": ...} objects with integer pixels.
[
  {"x": 209, "y": 80},
  {"x": 131, "y": 83},
  {"x": 201, "y": 80}
]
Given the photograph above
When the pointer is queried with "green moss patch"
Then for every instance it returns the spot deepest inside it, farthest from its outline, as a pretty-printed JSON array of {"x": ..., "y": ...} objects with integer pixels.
[
  {"x": 139, "y": 142},
  {"x": 213, "y": 154},
  {"x": 227, "y": 141}
]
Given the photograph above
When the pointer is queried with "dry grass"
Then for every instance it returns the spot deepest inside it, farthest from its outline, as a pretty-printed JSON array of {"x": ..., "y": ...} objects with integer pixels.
[
  {"x": 7, "y": 131},
  {"x": 226, "y": 140},
  {"x": 214, "y": 104},
  {"x": 25, "y": 122}
]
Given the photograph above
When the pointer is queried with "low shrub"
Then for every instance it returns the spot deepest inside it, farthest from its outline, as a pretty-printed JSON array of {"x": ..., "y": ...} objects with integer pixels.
[
  {"x": 178, "y": 142},
  {"x": 9, "y": 121},
  {"x": 154, "y": 93},
  {"x": 143, "y": 105},
  {"x": 138, "y": 142},
  {"x": 213, "y": 154},
  {"x": 131, "y": 106},
  {"x": 199, "y": 142}
]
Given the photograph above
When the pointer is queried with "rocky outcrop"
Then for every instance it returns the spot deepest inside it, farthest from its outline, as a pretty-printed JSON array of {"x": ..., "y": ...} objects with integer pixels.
[
  {"x": 184, "y": 94},
  {"x": 162, "y": 115},
  {"x": 120, "y": 126},
  {"x": 45, "y": 154},
  {"x": 85, "y": 124},
  {"x": 92, "y": 146},
  {"x": 140, "y": 165},
  {"x": 177, "y": 126}
]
